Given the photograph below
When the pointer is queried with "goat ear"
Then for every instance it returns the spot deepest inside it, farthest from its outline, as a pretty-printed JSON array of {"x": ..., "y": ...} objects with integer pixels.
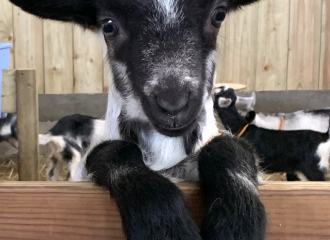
[
  {"x": 224, "y": 102},
  {"x": 250, "y": 116},
  {"x": 82, "y": 12}
]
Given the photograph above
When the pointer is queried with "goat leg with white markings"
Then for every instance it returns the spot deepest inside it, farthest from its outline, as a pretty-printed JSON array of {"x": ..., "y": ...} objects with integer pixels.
[
  {"x": 151, "y": 206},
  {"x": 229, "y": 179}
]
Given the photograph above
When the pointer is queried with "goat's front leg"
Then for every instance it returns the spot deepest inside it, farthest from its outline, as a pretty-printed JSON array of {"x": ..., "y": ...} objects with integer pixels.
[
  {"x": 151, "y": 207},
  {"x": 233, "y": 209}
]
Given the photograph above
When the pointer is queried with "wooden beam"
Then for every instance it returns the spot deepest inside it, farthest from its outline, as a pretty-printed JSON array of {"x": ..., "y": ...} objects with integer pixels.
[
  {"x": 8, "y": 104},
  {"x": 27, "y": 125},
  {"x": 37, "y": 210}
]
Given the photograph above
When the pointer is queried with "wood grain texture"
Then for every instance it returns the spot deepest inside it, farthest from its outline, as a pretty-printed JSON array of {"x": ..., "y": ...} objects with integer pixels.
[
  {"x": 324, "y": 82},
  {"x": 273, "y": 43},
  {"x": 296, "y": 211},
  {"x": 28, "y": 34},
  {"x": 221, "y": 48},
  {"x": 27, "y": 125},
  {"x": 58, "y": 46},
  {"x": 7, "y": 26},
  {"x": 304, "y": 44},
  {"x": 8, "y": 95},
  {"x": 88, "y": 62},
  {"x": 239, "y": 59}
]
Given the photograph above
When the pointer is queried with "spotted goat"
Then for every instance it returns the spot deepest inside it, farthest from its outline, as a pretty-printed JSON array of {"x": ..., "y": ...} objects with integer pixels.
[
  {"x": 302, "y": 154},
  {"x": 162, "y": 56},
  {"x": 8, "y": 129},
  {"x": 68, "y": 140}
]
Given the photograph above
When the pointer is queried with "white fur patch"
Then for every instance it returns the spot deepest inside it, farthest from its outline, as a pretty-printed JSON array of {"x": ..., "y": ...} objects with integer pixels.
[
  {"x": 209, "y": 127},
  {"x": 294, "y": 121},
  {"x": 115, "y": 103},
  {"x": 164, "y": 152},
  {"x": 301, "y": 177},
  {"x": 169, "y": 9},
  {"x": 98, "y": 134},
  {"x": 210, "y": 66},
  {"x": 224, "y": 102},
  {"x": 323, "y": 152},
  {"x": 243, "y": 180},
  {"x": 5, "y": 130}
]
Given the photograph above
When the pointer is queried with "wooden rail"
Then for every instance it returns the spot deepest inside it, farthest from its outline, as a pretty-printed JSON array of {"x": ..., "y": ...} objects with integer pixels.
[
  {"x": 70, "y": 211},
  {"x": 19, "y": 95}
]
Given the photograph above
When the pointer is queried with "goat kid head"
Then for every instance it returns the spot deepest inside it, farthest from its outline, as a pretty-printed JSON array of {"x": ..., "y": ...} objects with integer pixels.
[
  {"x": 224, "y": 97},
  {"x": 162, "y": 52}
]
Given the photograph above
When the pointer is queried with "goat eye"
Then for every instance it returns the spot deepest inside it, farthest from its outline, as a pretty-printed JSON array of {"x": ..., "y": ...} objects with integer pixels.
[
  {"x": 218, "y": 17},
  {"x": 110, "y": 29}
]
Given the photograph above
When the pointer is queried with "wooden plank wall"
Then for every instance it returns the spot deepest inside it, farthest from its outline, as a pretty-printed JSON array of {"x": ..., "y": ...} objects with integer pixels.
[{"x": 272, "y": 45}]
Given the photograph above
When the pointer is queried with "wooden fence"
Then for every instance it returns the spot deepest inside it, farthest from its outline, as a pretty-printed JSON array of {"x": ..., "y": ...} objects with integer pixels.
[{"x": 273, "y": 45}]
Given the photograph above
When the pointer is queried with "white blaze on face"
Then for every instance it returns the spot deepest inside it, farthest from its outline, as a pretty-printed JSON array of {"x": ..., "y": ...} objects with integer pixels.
[{"x": 169, "y": 9}]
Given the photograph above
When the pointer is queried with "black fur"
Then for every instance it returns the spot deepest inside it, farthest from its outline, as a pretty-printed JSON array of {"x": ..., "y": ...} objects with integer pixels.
[
  {"x": 11, "y": 123},
  {"x": 231, "y": 214},
  {"x": 74, "y": 125},
  {"x": 280, "y": 151},
  {"x": 82, "y": 12},
  {"x": 151, "y": 206}
]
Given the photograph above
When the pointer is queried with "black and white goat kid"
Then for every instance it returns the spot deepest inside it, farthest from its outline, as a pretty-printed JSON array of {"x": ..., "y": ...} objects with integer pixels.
[
  {"x": 68, "y": 141},
  {"x": 302, "y": 153},
  {"x": 162, "y": 55},
  {"x": 8, "y": 129}
]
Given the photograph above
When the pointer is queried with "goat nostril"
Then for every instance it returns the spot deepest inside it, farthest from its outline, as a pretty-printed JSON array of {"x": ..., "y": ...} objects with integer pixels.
[{"x": 172, "y": 102}]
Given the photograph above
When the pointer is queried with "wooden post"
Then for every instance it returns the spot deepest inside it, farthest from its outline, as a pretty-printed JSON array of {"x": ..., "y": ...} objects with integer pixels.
[{"x": 28, "y": 125}]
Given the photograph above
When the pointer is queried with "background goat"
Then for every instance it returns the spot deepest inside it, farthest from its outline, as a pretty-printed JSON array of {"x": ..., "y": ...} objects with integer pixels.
[
  {"x": 68, "y": 140},
  {"x": 8, "y": 129},
  {"x": 303, "y": 152},
  {"x": 160, "y": 111}
]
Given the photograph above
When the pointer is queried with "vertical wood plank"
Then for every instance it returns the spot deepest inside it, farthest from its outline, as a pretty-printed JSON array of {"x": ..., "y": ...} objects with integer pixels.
[
  {"x": 58, "y": 47},
  {"x": 221, "y": 48},
  {"x": 88, "y": 62},
  {"x": 7, "y": 27},
  {"x": 240, "y": 55},
  {"x": 27, "y": 125},
  {"x": 8, "y": 95},
  {"x": 304, "y": 44},
  {"x": 325, "y": 48},
  {"x": 273, "y": 42},
  {"x": 29, "y": 44}
]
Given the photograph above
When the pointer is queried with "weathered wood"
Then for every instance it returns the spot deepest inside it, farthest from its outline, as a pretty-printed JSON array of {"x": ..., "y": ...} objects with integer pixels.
[
  {"x": 8, "y": 95},
  {"x": 7, "y": 26},
  {"x": 304, "y": 44},
  {"x": 29, "y": 44},
  {"x": 273, "y": 38},
  {"x": 27, "y": 125},
  {"x": 325, "y": 47},
  {"x": 239, "y": 58},
  {"x": 58, "y": 46},
  {"x": 296, "y": 211},
  {"x": 88, "y": 61}
]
